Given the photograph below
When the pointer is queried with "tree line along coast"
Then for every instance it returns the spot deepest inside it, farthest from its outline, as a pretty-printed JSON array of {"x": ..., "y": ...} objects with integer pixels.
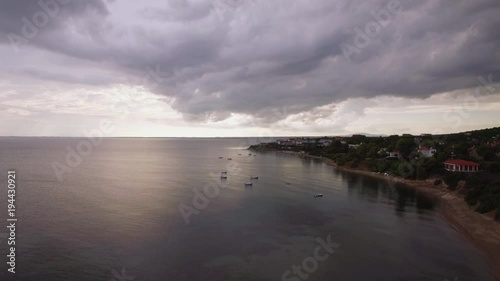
[{"x": 466, "y": 164}]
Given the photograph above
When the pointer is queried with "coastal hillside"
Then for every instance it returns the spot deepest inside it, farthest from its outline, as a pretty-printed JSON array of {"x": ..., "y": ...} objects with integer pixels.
[{"x": 467, "y": 163}]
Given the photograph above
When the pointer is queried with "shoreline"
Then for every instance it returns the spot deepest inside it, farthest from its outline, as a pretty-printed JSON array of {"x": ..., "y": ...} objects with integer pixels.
[{"x": 482, "y": 231}]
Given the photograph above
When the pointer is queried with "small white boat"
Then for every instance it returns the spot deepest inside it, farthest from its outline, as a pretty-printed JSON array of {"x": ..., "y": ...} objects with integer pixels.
[
  {"x": 318, "y": 195},
  {"x": 248, "y": 184},
  {"x": 223, "y": 173},
  {"x": 254, "y": 177},
  {"x": 223, "y": 177},
  {"x": 229, "y": 158}
]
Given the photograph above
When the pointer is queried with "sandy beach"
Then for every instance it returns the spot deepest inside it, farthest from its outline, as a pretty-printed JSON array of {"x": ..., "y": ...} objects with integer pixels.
[{"x": 481, "y": 230}]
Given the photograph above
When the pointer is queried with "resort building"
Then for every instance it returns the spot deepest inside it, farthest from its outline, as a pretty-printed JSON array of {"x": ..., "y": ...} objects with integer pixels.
[
  {"x": 457, "y": 165},
  {"x": 393, "y": 154},
  {"x": 427, "y": 152},
  {"x": 325, "y": 142},
  {"x": 287, "y": 143},
  {"x": 494, "y": 143},
  {"x": 308, "y": 141}
]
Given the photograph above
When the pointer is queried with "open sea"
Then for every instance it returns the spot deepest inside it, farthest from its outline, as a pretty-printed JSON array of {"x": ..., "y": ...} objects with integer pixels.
[{"x": 156, "y": 209}]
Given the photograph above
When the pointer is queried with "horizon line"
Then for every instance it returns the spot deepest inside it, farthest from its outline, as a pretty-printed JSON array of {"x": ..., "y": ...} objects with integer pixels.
[{"x": 232, "y": 137}]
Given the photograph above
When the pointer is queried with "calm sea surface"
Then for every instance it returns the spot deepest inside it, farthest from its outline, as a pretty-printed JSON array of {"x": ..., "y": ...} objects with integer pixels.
[{"x": 116, "y": 216}]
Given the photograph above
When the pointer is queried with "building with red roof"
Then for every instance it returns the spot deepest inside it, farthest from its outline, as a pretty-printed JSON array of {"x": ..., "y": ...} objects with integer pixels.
[{"x": 458, "y": 165}]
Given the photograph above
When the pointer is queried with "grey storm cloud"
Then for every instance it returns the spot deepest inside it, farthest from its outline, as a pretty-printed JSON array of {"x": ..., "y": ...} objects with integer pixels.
[
  {"x": 13, "y": 12},
  {"x": 214, "y": 58}
]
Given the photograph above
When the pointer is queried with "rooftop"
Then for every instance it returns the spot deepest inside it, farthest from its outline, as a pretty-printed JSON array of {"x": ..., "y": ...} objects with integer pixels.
[{"x": 461, "y": 162}]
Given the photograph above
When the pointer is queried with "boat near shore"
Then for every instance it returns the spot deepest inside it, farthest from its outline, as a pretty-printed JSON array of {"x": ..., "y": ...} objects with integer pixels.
[{"x": 453, "y": 207}]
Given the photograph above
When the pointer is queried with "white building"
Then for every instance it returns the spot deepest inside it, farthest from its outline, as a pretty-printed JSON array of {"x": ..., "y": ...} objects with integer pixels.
[
  {"x": 458, "y": 165},
  {"x": 427, "y": 152},
  {"x": 325, "y": 142},
  {"x": 393, "y": 154}
]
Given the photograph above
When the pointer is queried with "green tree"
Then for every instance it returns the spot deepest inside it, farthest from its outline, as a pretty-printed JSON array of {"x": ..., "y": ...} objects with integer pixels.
[
  {"x": 372, "y": 152},
  {"x": 421, "y": 173},
  {"x": 489, "y": 199},
  {"x": 405, "y": 146},
  {"x": 486, "y": 152},
  {"x": 452, "y": 179}
]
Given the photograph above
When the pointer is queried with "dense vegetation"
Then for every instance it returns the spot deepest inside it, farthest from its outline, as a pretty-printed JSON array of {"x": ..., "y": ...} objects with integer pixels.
[
  {"x": 485, "y": 197},
  {"x": 371, "y": 153}
]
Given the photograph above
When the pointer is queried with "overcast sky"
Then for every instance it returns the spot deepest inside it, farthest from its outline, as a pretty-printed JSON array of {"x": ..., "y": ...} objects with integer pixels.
[{"x": 248, "y": 67}]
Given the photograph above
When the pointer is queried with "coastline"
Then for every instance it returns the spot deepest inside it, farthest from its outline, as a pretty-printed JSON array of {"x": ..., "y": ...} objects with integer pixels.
[{"x": 480, "y": 230}]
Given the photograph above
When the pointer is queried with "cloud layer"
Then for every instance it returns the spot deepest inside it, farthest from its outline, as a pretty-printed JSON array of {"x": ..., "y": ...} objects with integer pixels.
[{"x": 271, "y": 60}]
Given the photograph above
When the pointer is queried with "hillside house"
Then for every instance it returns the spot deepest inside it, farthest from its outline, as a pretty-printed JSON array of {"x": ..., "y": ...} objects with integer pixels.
[
  {"x": 458, "y": 165},
  {"x": 426, "y": 151},
  {"x": 393, "y": 155}
]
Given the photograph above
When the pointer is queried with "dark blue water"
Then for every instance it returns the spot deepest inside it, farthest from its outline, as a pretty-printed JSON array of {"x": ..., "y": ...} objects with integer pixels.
[{"x": 116, "y": 216}]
